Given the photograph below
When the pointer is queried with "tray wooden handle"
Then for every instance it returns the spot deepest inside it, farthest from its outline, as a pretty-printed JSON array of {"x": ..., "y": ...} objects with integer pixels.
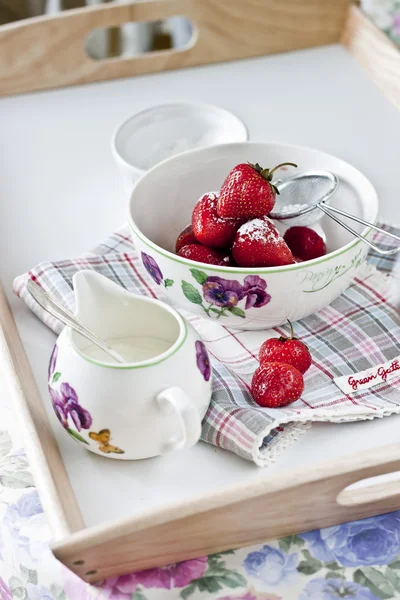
[
  {"x": 315, "y": 497},
  {"x": 375, "y": 490},
  {"x": 46, "y": 52}
]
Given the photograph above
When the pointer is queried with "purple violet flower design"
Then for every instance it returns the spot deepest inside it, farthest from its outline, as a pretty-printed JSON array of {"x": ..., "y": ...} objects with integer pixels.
[
  {"x": 203, "y": 362},
  {"x": 52, "y": 363},
  {"x": 66, "y": 404},
  {"x": 222, "y": 296},
  {"x": 59, "y": 408},
  {"x": 222, "y": 292},
  {"x": 79, "y": 415},
  {"x": 254, "y": 290},
  {"x": 152, "y": 268}
]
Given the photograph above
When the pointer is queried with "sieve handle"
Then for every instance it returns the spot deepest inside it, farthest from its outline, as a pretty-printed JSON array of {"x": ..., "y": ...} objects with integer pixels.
[{"x": 328, "y": 210}]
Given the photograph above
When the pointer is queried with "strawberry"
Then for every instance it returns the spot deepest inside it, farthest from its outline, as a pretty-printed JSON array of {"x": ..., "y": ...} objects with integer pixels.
[
  {"x": 247, "y": 192},
  {"x": 305, "y": 243},
  {"x": 258, "y": 244},
  {"x": 276, "y": 384},
  {"x": 210, "y": 256},
  {"x": 210, "y": 229},
  {"x": 290, "y": 351},
  {"x": 184, "y": 238}
]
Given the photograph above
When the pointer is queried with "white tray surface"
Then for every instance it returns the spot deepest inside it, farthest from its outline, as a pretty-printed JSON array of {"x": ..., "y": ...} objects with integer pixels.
[{"x": 60, "y": 194}]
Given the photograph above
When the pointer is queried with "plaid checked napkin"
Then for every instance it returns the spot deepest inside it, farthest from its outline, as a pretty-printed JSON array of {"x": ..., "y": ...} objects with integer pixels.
[{"x": 359, "y": 330}]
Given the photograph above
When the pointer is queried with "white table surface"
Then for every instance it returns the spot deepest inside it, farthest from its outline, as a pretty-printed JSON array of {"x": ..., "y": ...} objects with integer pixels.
[{"x": 60, "y": 194}]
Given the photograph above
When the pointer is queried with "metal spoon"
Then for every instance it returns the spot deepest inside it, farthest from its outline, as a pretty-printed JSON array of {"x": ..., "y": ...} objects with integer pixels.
[
  {"x": 52, "y": 306},
  {"x": 300, "y": 195}
]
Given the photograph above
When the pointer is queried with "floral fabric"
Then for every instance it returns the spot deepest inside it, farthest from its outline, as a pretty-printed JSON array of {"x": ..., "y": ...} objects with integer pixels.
[
  {"x": 386, "y": 15},
  {"x": 353, "y": 561}
]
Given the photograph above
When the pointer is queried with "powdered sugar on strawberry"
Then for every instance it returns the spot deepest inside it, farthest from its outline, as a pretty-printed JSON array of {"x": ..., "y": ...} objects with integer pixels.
[
  {"x": 213, "y": 202},
  {"x": 262, "y": 230},
  {"x": 258, "y": 244},
  {"x": 212, "y": 198}
]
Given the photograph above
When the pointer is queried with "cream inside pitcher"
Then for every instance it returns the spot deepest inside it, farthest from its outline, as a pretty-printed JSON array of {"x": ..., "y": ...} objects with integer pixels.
[
  {"x": 152, "y": 403},
  {"x": 139, "y": 329}
]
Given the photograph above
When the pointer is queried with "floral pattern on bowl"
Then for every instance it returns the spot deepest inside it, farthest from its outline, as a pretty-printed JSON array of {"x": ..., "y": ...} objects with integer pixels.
[
  {"x": 223, "y": 295},
  {"x": 153, "y": 269}
]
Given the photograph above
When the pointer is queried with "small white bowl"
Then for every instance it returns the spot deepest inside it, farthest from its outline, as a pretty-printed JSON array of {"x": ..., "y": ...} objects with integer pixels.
[
  {"x": 160, "y": 132},
  {"x": 161, "y": 206}
]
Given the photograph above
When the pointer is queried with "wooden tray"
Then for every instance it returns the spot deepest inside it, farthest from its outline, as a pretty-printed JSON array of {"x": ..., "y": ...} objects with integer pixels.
[
  {"x": 57, "y": 55},
  {"x": 57, "y": 175},
  {"x": 223, "y": 31},
  {"x": 284, "y": 504},
  {"x": 244, "y": 514}
]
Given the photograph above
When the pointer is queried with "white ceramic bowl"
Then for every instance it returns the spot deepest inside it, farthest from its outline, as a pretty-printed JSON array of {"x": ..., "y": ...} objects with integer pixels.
[{"x": 161, "y": 206}]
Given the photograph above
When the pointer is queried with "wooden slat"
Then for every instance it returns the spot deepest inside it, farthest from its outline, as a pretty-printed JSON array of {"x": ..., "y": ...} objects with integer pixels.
[
  {"x": 49, "y": 51},
  {"x": 375, "y": 52},
  {"x": 57, "y": 496},
  {"x": 228, "y": 520}
]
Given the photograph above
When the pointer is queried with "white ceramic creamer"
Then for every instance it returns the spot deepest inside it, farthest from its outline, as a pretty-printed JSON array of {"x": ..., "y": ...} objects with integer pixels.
[{"x": 152, "y": 404}]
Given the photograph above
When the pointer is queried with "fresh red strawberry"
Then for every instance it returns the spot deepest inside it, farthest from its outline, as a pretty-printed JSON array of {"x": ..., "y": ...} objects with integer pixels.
[
  {"x": 305, "y": 243},
  {"x": 276, "y": 384},
  {"x": 211, "y": 256},
  {"x": 210, "y": 229},
  {"x": 258, "y": 244},
  {"x": 184, "y": 238},
  {"x": 247, "y": 192},
  {"x": 286, "y": 350}
]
